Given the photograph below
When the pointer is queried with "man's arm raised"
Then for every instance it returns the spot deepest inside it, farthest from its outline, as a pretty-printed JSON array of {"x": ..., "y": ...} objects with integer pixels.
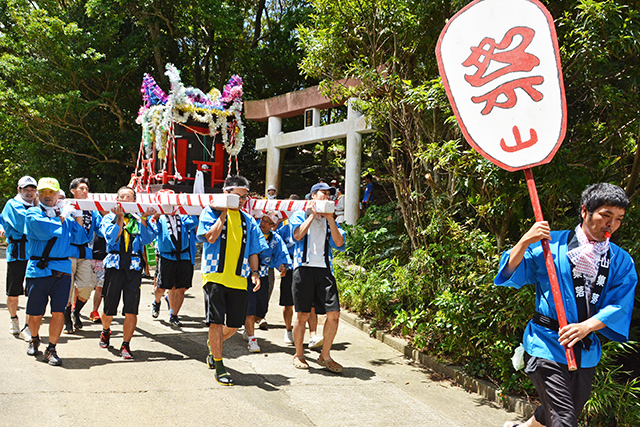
[
  {"x": 216, "y": 229},
  {"x": 539, "y": 230}
]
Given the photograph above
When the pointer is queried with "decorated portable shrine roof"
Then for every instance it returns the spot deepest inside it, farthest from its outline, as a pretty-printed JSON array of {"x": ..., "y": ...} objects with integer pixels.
[{"x": 220, "y": 111}]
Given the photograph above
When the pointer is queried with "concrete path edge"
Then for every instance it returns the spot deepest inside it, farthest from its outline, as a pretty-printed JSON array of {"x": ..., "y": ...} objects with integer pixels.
[{"x": 483, "y": 388}]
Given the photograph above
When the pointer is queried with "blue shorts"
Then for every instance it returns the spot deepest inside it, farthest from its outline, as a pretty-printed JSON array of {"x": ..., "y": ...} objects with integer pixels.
[
  {"x": 41, "y": 289},
  {"x": 258, "y": 302}
]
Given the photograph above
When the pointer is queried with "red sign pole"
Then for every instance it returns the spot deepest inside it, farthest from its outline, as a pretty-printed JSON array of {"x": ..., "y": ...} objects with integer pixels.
[{"x": 551, "y": 269}]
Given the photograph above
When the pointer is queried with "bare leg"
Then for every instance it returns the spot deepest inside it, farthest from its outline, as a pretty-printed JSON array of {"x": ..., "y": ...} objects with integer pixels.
[
  {"x": 287, "y": 315},
  {"x": 215, "y": 340},
  {"x": 55, "y": 327},
  {"x": 176, "y": 298},
  {"x": 97, "y": 298},
  {"x": 12, "y": 305},
  {"x": 34, "y": 325},
  {"x": 250, "y": 325},
  {"x": 217, "y": 335},
  {"x": 299, "y": 327},
  {"x": 130, "y": 322},
  {"x": 329, "y": 332},
  {"x": 158, "y": 293},
  {"x": 313, "y": 322},
  {"x": 106, "y": 321},
  {"x": 228, "y": 332}
]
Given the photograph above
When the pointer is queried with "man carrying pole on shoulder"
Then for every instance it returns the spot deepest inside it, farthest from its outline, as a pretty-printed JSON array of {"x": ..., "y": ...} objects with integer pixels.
[
  {"x": 13, "y": 216},
  {"x": 126, "y": 234},
  {"x": 230, "y": 256},
  {"x": 314, "y": 285},
  {"x": 50, "y": 235},
  {"x": 597, "y": 280}
]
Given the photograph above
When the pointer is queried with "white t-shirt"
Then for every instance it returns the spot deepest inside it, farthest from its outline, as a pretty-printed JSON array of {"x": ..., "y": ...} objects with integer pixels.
[{"x": 316, "y": 237}]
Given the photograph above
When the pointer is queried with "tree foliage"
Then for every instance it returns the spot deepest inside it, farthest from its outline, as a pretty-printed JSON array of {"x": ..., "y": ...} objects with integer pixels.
[
  {"x": 70, "y": 74},
  {"x": 450, "y": 200}
]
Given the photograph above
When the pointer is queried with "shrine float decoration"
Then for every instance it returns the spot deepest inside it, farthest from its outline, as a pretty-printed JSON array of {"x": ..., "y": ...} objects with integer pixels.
[{"x": 217, "y": 115}]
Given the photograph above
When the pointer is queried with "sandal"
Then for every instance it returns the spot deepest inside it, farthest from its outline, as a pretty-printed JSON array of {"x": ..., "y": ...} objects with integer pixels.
[
  {"x": 224, "y": 378},
  {"x": 330, "y": 364},
  {"x": 300, "y": 362}
]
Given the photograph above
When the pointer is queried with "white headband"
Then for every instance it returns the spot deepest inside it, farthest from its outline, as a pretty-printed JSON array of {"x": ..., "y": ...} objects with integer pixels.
[{"x": 233, "y": 187}]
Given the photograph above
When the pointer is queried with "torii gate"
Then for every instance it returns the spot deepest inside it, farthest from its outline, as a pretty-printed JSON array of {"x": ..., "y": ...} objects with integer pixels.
[{"x": 309, "y": 102}]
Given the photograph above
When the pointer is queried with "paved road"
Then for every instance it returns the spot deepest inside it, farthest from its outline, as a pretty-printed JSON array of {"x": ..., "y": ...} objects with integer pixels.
[{"x": 169, "y": 384}]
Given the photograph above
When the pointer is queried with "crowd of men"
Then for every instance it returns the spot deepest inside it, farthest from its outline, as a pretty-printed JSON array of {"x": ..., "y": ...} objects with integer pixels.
[{"x": 58, "y": 256}]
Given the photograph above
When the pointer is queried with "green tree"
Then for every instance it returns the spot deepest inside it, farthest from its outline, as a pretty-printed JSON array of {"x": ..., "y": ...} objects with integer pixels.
[{"x": 70, "y": 74}]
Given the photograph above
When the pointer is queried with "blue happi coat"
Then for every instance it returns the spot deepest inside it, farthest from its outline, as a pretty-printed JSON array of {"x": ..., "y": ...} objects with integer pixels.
[{"x": 613, "y": 308}]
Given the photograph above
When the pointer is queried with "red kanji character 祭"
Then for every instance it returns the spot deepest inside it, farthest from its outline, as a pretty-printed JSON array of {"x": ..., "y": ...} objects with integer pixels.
[{"x": 517, "y": 60}]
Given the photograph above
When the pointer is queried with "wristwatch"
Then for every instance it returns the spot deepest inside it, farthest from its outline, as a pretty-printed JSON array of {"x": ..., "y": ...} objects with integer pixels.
[{"x": 255, "y": 272}]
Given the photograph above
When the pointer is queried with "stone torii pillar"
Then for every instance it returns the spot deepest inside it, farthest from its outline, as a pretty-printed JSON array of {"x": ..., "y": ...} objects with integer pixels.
[
  {"x": 352, "y": 166},
  {"x": 273, "y": 153}
]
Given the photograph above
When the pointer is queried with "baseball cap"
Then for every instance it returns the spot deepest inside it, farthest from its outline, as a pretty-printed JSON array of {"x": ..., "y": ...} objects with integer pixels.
[
  {"x": 27, "y": 181},
  {"x": 320, "y": 186},
  {"x": 48, "y": 183}
]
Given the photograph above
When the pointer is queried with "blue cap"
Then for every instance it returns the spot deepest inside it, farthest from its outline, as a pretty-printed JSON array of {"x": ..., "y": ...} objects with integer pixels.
[{"x": 320, "y": 186}]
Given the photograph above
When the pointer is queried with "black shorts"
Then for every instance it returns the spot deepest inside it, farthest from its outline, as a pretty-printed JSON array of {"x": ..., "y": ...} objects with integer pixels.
[
  {"x": 315, "y": 287},
  {"x": 174, "y": 274},
  {"x": 15, "y": 278},
  {"x": 286, "y": 296},
  {"x": 224, "y": 306},
  {"x": 42, "y": 289},
  {"x": 258, "y": 302},
  {"x": 563, "y": 393},
  {"x": 123, "y": 282}
]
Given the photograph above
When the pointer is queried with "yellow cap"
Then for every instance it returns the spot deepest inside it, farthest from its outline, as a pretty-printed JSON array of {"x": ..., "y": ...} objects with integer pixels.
[{"x": 48, "y": 183}]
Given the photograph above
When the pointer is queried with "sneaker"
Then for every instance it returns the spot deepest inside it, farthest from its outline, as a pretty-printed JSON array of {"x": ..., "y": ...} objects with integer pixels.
[
  {"x": 14, "y": 326},
  {"x": 32, "y": 349},
  {"x": 173, "y": 319},
  {"x": 25, "y": 333},
  {"x": 245, "y": 336},
  {"x": 125, "y": 352},
  {"x": 155, "y": 310},
  {"x": 253, "y": 345},
  {"x": 51, "y": 356},
  {"x": 288, "y": 337},
  {"x": 77, "y": 323},
  {"x": 95, "y": 316},
  {"x": 316, "y": 341},
  {"x": 68, "y": 323},
  {"x": 104, "y": 338},
  {"x": 262, "y": 324}
]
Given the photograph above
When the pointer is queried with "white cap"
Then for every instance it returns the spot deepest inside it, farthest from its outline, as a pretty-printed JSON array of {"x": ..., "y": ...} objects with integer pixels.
[
  {"x": 27, "y": 181},
  {"x": 271, "y": 187}
]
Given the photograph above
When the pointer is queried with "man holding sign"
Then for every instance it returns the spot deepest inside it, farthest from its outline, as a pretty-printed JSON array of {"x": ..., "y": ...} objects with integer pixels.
[
  {"x": 500, "y": 66},
  {"x": 597, "y": 279}
]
